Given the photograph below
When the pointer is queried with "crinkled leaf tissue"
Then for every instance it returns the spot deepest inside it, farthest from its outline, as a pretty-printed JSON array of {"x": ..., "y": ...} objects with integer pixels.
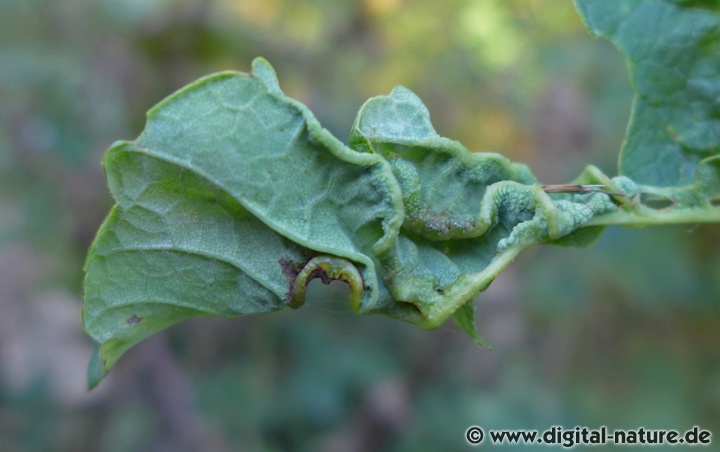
[{"x": 234, "y": 197}]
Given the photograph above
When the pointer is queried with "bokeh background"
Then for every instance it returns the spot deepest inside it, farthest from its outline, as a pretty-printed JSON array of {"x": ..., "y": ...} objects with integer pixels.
[{"x": 624, "y": 334}]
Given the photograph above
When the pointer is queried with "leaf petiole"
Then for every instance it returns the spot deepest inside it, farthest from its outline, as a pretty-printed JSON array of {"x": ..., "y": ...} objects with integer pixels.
[{"x": 579, "y": 188}]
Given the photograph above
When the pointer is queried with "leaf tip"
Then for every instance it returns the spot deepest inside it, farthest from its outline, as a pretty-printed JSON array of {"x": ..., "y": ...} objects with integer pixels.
[
  {"x": 96, "y": 368},
  {"x": 465, "y": 318},
  {"x": 263, "y": 71}
]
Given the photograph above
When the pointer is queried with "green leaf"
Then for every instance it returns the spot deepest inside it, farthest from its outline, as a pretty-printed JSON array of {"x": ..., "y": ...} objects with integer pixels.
[
  {"x": 707, "y": 179},
  {"x": 669, "y": 158},
  {"x": 465, "y": 318},
  {"x": 96, "y": 370},
  {"x": 467, "y": 215},
  {"x": 231, "y": 191},
  {"x": 234, "y": 197},
  {"x": 673, "y": 54}
]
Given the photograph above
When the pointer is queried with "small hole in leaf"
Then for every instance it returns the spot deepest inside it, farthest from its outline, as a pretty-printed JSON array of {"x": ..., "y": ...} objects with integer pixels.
[
  {"x": 440, "y": 291},
  {"x": 656, "y": 202},
  {"x": 134, "y": 320},
  {"x": 332, "y": 297}
]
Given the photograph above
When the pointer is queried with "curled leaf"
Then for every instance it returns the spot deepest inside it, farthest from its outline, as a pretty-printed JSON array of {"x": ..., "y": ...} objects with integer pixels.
[
  {"x": 467, "y": 215},
  {"x": 229, "y": 178},
  {"x": 234, "y": 198}
]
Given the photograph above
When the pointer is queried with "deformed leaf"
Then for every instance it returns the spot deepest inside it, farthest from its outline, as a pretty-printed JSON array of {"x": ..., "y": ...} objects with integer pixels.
[
  {"x": 234, "y": 197},
  {"x": 467, "y": 215},
  {"x": 230, "y": 191}
]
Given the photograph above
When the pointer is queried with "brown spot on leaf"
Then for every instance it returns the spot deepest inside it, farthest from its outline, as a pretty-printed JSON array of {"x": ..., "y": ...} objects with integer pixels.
[
  {"x": 319, "y": 273},
  {"x": 290, "y": 270}
]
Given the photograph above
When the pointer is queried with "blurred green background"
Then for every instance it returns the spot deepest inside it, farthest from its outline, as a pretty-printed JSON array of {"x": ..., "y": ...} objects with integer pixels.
[{"x": 623, "y": 334}]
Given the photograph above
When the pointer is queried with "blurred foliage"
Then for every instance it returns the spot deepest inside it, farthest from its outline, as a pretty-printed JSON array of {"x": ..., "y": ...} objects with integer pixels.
[{"x": 624, "y": 333}]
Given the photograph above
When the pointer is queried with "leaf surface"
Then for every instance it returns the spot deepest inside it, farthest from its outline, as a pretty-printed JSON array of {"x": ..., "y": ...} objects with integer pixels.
[
  {"x": 234, "y": 197},
  {"x": 229, "y": 192},
  {"x": 672, "y": 48},
  {"x": 467, "y": 215}
]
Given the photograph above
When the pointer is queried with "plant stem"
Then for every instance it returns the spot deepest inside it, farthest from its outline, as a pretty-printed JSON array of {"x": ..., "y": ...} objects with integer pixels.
[{"x": 649, "y": 217}]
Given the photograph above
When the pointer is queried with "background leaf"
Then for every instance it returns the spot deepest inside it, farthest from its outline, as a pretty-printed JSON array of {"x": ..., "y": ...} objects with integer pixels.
[{"x": 672, "y": 50}]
